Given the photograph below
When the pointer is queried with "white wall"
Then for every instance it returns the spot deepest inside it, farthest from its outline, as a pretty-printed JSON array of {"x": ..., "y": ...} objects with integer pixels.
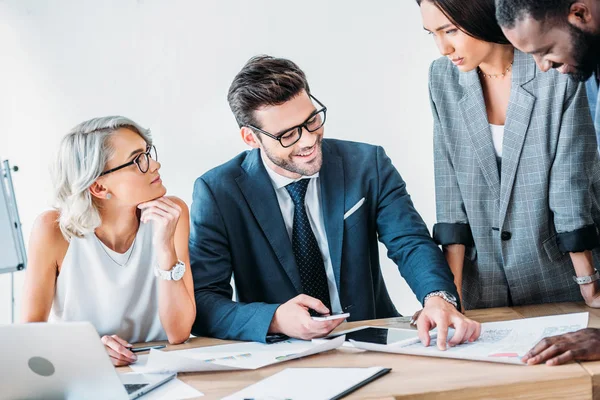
[{"x": 168, "y": 65}]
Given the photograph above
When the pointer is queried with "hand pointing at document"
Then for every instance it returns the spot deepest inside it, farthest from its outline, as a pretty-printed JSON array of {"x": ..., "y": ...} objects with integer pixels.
[{"x": 439, "y": 313}]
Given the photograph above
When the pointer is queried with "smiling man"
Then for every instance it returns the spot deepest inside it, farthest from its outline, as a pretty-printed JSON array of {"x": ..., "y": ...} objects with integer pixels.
[
  {"x": 561, "y": 34},
  {"x": 296, "y": 221}
]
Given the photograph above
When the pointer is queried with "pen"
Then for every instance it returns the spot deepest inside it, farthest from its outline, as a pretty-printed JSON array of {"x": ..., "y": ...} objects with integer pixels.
[
  {"x": 146, "y": 348},
  {"x": 413, "y": 320}
]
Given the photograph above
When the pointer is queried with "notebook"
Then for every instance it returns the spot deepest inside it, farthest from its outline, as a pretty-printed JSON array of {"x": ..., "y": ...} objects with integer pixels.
[{"x": 311, "y": 383}]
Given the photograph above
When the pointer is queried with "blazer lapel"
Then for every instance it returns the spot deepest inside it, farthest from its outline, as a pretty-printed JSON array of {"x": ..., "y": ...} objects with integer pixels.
[
  {"x": 518, "y": 117},
  {"x": 258, "y": 190},
  {"x": 332, "y": 205},
  {"x": 474, "y": 116},
  {"x": 596, "y": 115}
]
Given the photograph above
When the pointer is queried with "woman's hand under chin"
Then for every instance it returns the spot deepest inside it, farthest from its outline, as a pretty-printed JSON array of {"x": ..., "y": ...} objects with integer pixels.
[{"x": 165, "y": 214}]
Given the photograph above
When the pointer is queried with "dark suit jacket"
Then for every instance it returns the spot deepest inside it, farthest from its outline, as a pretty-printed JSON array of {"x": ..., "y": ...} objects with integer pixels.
[{"x": 237, "y": 227}]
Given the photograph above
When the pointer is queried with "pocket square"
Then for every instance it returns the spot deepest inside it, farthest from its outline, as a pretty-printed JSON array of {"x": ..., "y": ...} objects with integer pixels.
[{"x": 354, "y": 208}]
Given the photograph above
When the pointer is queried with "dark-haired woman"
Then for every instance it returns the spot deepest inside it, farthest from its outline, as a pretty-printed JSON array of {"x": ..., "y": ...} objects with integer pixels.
[{"x": 516, "y": 166}]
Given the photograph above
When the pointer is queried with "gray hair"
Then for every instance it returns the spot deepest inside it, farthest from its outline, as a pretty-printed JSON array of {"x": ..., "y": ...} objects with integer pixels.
[{"x": 81, "y": 158}]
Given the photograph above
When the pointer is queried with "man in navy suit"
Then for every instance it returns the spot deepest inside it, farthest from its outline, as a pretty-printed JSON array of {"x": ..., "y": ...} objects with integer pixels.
[{"x": 296, "y": 221}]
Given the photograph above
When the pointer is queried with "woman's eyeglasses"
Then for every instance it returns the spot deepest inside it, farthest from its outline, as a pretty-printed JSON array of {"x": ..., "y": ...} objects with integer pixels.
[{"x": 142, "y": 161}]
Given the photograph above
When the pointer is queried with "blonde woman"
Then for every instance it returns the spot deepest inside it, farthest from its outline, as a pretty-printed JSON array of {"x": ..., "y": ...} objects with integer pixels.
[{"x": 114, "y": 252}]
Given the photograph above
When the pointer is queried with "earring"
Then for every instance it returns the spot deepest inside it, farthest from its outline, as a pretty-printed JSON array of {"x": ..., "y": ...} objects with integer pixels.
[{"x": 108, "y": 196}]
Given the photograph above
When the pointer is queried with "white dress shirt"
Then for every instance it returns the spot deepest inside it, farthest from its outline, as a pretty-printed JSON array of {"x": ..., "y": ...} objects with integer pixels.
[{"x": 315, "y": 217}]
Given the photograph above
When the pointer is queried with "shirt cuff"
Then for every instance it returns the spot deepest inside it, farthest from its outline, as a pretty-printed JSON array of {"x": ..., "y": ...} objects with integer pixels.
[
  {"x": 446, "y": 234},
  {"x": 579, "y": 240}
]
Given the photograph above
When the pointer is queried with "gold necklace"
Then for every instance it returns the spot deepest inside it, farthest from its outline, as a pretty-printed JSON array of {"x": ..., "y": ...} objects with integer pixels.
[{"x": 497, "y": 75}]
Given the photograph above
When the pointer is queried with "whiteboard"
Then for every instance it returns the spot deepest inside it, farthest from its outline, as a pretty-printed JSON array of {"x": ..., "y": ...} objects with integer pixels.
[{"x": 12, "y": 247}]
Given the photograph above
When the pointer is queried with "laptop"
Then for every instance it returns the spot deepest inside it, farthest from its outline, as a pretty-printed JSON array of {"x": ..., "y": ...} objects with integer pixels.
[{"x": 64, "y": 361}]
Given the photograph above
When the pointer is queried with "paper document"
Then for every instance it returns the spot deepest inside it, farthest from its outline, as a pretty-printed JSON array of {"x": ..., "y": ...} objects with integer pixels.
[
  {"x": 306, "y": 383},
  {"x": 503, "y": 342},
  {"x": 173, "y": 389},
  {"x": 250, "y": 355}
]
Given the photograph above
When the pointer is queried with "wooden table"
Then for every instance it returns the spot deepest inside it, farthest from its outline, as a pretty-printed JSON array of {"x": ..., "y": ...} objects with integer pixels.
[{"x": 430, "y": 378}]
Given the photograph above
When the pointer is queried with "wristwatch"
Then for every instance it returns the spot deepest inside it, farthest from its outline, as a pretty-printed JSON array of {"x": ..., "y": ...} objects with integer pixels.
[
  {"x": 449, "y": 297},
  {"x": 584, "y": 280},
  {"x": 174, "y": 274}
]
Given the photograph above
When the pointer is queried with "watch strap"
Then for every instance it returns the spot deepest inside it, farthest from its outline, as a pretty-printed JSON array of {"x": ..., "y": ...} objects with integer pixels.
[
  {"x": 584, "y": 280},
  {"x": 162, "y": 274},
  {"x": 446, "y": 296}
]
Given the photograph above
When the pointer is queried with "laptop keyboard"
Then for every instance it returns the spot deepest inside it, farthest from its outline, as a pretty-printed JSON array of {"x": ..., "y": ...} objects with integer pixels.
[{"x": 132, "y": 388}]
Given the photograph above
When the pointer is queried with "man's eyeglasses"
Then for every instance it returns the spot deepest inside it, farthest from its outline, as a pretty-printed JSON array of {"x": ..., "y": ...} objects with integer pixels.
[
  {"x": 142, "y": 161},
  {"x": 290, "y": 136}
]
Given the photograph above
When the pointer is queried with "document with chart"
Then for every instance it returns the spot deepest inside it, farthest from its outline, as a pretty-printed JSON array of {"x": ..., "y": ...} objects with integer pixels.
[
  {"x": 240, "y": 356},
  {"x": 502, "y": 342}
]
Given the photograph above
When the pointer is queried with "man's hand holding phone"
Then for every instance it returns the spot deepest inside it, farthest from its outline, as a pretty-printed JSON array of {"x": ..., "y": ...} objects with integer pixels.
[
  {"x": 331, "y": 317},
  {"x": 293, "y": 319}
]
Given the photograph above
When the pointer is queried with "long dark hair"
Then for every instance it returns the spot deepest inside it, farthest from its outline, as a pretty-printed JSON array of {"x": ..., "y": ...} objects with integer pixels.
[{"x": 476, "y": 18}]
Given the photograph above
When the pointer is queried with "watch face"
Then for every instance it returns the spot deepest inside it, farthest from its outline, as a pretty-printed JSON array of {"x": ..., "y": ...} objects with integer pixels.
[{"x": 178, "y": 271}]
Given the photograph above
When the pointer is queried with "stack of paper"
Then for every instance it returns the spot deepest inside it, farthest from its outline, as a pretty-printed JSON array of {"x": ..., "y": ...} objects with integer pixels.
[{"x": 232, "y": 357}]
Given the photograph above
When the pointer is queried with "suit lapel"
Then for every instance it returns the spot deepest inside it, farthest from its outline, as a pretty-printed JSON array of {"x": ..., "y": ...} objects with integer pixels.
[
  {"x": 260, "y": 195},
  {"x": 474, "y": 117},
  {"x": 596, "y": 114},
  {"x": 591, "y": 88},
  {"x": 518, "y": 117},
  {"x": 332, "y": 205}
]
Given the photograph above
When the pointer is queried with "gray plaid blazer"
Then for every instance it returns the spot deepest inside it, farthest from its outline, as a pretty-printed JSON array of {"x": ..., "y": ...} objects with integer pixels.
[{"x": 519, "y": 220}]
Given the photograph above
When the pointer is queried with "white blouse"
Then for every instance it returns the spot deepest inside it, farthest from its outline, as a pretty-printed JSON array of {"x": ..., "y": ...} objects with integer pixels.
[{"x": 498, "y": 139}]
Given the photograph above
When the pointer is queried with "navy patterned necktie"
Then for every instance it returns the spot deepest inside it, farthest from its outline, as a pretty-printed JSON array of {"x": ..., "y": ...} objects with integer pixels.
[{"x": 306, "y": 249}]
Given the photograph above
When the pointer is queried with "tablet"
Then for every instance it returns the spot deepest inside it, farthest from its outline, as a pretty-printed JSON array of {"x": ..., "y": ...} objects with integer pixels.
[{"x": 385, "y": 336}]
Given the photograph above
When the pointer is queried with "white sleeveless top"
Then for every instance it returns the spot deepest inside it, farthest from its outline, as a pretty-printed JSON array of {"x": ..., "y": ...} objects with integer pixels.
[
  {"x": 498, "y": 139},
  {"x": 117, "y": 299}
]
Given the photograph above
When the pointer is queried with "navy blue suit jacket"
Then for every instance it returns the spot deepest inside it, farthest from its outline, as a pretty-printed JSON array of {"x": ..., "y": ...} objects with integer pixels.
[{"x": 237, "y": 228}]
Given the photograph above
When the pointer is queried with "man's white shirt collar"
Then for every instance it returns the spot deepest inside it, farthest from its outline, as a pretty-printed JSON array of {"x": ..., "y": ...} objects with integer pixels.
[{"x": 280, "y": 181}]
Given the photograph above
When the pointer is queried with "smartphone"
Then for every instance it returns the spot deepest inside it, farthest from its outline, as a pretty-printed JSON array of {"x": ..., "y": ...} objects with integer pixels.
[{"x": 338, "y": 315}]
